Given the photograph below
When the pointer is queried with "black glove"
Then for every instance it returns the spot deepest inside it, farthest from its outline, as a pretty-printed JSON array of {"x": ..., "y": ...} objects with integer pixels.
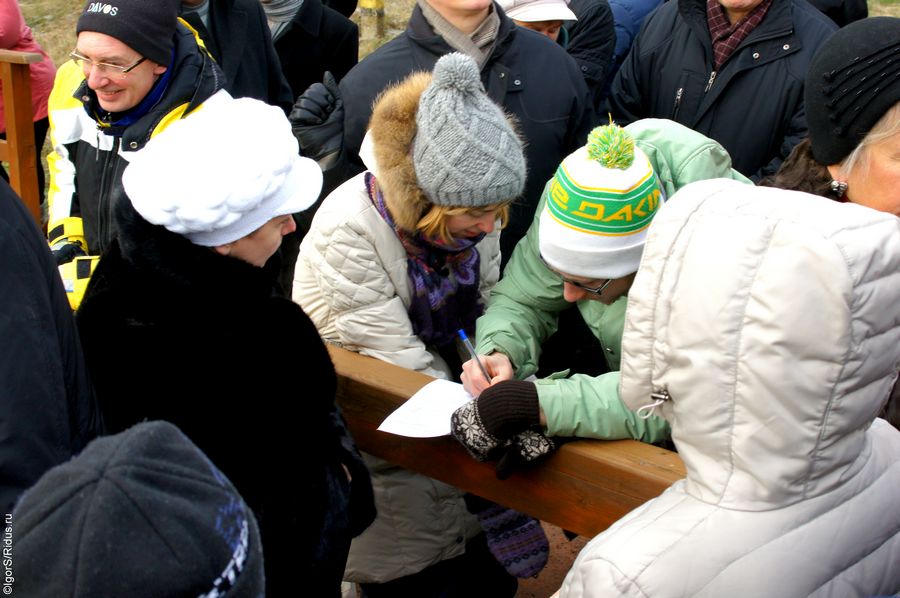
[
  {"x": 499, "y": 413},
  {"x": 525, "y": 449},
  {"x": 65, "y": 253},
  {"x": 317, "y": 120}
]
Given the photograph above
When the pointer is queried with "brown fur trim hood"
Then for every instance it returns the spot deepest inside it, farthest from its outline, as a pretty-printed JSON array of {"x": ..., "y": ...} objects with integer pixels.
[{"x": 393, "y": 129}]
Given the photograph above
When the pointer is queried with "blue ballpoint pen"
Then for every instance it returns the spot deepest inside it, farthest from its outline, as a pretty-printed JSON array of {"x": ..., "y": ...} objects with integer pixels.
[{"x": 468, "y": 344}]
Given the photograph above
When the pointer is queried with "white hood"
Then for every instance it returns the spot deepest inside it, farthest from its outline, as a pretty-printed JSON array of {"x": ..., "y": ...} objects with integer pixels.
[{"x": 776, "y": 358}]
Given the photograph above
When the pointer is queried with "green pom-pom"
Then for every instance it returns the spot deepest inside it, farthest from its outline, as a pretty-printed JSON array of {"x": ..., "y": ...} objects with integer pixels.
[{"x": 611, "y": 146}]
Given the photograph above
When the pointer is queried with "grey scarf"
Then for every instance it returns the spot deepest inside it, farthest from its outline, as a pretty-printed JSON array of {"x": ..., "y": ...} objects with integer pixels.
[
  {"x": 478, "y": 45},
  {"x": 279, "y": 13}
]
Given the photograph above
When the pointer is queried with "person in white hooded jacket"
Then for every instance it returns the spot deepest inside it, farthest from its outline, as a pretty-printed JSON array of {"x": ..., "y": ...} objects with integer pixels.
[{"x": 763, "y": 326}]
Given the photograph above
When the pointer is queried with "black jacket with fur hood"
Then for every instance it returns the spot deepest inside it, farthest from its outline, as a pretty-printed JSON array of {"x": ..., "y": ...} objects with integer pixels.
[{"x": 178, "y": 332}]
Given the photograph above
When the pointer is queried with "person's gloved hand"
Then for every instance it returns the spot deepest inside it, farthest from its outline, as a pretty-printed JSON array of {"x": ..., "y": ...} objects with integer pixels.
[
  {"x": 317, "y": 120},
  {"x": 64, "y": 253},
  {"x": 499, "y": 413},
  {"x": 524, "y": 450}
]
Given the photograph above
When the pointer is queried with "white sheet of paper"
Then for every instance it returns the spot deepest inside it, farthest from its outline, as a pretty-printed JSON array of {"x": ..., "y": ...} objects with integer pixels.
[{"x": 427, "y": 413}]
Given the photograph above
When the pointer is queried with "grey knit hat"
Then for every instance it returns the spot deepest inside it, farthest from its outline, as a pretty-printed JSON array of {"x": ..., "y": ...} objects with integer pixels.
[{"x": 466, "y": 153}]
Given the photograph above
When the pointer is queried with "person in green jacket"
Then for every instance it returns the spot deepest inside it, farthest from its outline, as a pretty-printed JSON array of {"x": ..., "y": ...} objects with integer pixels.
[{"x": 584, "y": 246}]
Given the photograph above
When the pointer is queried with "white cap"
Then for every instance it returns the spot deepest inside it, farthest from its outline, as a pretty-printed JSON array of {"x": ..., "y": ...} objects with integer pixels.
[
  {"x": 530, "y": 11},
  {"x": 222, "y": 172}
]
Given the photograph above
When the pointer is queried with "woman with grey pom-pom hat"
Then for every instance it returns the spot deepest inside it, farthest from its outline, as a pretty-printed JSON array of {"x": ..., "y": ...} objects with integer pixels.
[{"x": 397, "y": 261}]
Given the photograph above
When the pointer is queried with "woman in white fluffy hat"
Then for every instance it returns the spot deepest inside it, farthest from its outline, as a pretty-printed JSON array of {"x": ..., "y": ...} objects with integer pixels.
[{"x": 180, "y": 322}]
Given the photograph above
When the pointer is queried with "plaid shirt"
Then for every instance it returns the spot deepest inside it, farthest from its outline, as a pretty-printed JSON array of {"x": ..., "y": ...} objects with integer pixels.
[{"x": 727, "y": 37}]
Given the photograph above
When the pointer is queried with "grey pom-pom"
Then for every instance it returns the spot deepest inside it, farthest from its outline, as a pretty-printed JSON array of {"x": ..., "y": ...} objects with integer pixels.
[{"x": 456, "y": 71}]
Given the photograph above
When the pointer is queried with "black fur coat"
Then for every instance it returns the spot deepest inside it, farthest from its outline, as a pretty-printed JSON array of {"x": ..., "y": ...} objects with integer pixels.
[{"x": 178, "y": 332}]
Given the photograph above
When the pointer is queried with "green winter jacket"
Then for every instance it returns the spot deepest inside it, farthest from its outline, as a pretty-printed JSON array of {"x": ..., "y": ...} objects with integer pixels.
[{"x": 524, "y": 305}]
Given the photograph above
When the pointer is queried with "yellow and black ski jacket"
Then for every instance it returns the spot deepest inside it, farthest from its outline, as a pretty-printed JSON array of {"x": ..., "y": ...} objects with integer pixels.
[{"x": 89, "y": 155}]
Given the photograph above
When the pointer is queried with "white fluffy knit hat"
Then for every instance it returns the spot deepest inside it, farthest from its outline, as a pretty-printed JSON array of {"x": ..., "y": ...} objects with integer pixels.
[
  {"x": 222, "y": 172},
  {"x": 530, "y": 11},
  {"x": 598, "y": 207}
]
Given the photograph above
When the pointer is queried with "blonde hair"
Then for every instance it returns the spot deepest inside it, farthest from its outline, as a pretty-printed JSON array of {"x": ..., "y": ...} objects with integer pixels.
[
  {"x": 886, "y": 127},
  {"x": 434, "y": 222}
]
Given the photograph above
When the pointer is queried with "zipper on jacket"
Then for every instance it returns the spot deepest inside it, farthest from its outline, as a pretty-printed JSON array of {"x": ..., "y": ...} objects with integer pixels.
[
  {"x": 104, "y": 205},
  {"x": 712, "y": 79},
  {"x": 677, "y": 105}
]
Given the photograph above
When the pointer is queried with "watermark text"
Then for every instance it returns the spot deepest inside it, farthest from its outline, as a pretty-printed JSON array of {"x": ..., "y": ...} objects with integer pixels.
[{"x": 7, "y": 550}]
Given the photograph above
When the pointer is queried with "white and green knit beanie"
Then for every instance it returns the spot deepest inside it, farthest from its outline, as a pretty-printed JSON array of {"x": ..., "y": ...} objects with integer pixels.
[{"x": 598, "y": 207}]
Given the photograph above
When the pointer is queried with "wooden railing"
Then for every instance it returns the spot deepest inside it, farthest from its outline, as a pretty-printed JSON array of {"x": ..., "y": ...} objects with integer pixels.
[
  {"x": 584, "y": 487},
  {"x": 19, "y": 148}
]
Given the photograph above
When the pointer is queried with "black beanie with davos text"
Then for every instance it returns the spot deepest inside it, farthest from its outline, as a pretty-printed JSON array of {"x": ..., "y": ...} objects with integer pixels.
[
  {"x": 142, "y": 514},
  {"x": 146, "y": 26}
]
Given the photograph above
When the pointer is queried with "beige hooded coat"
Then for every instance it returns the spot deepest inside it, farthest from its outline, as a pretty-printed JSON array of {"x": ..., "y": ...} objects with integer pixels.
[{"x": 770, "y": 319}]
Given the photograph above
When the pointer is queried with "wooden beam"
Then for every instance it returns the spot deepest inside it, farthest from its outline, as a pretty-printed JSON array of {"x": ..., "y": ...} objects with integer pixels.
[
  {"x": 14, "y": 57},
  {"x": 584, "y": 487},
  {"x": 19, "y": 147}
]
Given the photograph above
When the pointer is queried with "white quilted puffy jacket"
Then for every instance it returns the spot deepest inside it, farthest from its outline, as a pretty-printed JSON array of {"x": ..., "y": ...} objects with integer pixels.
[
  {"x": 772, "y": 321},
  {"x": 351, "y": 279}
]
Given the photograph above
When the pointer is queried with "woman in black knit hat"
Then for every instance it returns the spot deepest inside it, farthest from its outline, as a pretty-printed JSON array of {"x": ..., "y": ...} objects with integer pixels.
[{"x": 853, "y": 111}]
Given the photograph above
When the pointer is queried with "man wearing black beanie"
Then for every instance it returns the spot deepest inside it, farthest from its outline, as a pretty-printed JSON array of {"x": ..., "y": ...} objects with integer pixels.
[
  {"x": 148, "y": 26},
  {"x": 135, "y": 69}
]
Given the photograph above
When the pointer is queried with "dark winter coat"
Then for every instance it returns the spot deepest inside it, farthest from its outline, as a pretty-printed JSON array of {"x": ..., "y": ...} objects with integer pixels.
[
  {"x": 753, "y": 105},
  {"x": 842, "y": 12},
  {"x": 317, "y": 39},
  {"x": 628, "y": 15},
  {"x": 47, "y": 408},
  {"x": 527, "y": 74},
  {"x": 178, "y": 332},
  {"x": 239, "y": 38},
  {"x": 344, "y": 7},
  {"x": 592, "y": 40}
]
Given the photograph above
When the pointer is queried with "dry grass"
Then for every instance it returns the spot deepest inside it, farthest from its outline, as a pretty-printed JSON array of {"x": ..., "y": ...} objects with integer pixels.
[
  {"x": 888, "y": 8},
  {"x": 53, "y": 24}
]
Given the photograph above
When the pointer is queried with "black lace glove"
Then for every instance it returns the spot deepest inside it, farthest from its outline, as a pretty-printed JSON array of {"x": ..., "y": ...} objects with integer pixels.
[
  {"x": 499, "y": 413},
  {"x": 66, "y": 252},
  {"x": 317, "y": 120},
  {"x": 524, "y": 450}
]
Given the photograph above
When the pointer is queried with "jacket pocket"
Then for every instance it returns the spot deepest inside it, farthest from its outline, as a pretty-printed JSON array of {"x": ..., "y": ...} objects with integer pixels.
[{"x": 685, "y": 99}]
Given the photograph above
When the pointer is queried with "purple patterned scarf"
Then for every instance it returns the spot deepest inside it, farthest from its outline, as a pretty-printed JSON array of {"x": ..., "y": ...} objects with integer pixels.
[{"x": 443, "y": 277}]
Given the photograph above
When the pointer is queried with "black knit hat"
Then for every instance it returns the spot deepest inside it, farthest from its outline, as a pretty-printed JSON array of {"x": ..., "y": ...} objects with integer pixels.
[
  {"x": 146, "y": 26},
  {"x": 854, "y": 79},
  {"x": 141, "y": 514}
]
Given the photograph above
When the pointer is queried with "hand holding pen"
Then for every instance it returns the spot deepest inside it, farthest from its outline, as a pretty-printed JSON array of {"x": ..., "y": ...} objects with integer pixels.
[{"x": 481, "y": 371}]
